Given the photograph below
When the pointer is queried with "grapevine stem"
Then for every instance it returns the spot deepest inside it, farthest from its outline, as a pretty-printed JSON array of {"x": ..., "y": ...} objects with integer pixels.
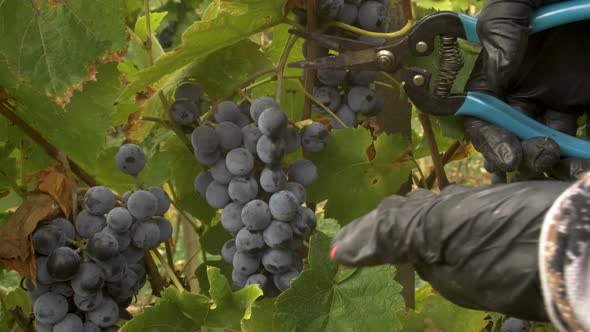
[
  {"x": 169, "y": 271},
  {"x": 281, "y": 67},
  {"x": 261, "y": 82},
  {"x": 293, "y": 23},
  {"x": 388, "y": 35},
  {"x": 439, "y": 168},
  {"x": 148, "y": 27},
  {"x": 312, "y": 25},
  {"x": 324, "y": 107},
  {"x": 422, "y": 177}
]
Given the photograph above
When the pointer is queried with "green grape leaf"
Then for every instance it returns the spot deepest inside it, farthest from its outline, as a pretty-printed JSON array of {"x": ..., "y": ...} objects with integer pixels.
[
  {"x": 201, "y": 273},
  {"x": 214, "y": 238},
  {"x": 155, "y": 20},
  {"x": 322, "y": 299},
  {"x": 9, "y": 300},
  {"x": 352, "y": 183},
  {"x": 223, "y": 24},
  {"x": 328, "y": 226},
  {"x": 261, "y": 319},
  {"x": 55, "y": 46}
]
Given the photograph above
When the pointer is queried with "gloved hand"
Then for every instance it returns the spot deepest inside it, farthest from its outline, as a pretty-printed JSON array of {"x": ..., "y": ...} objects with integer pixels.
[
  {"x": 544, "y": 75},
  {"x": 477, "y": 247}
]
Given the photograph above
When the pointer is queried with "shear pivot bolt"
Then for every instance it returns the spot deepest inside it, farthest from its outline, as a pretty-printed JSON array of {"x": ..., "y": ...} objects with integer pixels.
[
  {"x": 421, "y": 47},
  {"x": 385, "y": 59},
  {"x": 418, "y": 80}
]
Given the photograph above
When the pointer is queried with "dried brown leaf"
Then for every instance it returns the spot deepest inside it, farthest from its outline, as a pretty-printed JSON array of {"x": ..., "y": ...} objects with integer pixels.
[{"x": 55, "y": 182}]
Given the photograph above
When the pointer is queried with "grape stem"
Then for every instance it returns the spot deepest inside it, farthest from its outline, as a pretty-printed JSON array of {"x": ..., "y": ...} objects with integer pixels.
[
  {"x": 169, "y": 271},
  {"x": 439, "y": 168},
  {"x": 309, "y": 80},
  {"x": 324, "y": 107},
  {"x": 387, "y": 35},
  {"x": 422, "y": 181},
  {"x": 281, "y": 66},
  {"x": 155, "y": 278}
]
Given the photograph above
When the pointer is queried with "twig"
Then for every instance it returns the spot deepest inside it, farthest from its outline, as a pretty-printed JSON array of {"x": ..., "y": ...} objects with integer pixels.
[
  {"x": 169, "y": 271},
  {"x": 156, "y": 280},
  {"x": 169, "y": 255},
  {"x": 261, "y": 82},
  {"x": 312, "y": 25},
  {"x": 162, "y": 122},
  {"x": 386, "y": 35},
  {"x": 445, "y": 160},
  {"x": 422, "y": 177},
  {"x": 176, "y": 128},
  {"x": 281, "y": 67},
  {"x": 293, "y": 23},
  {"x": 324, "y": 107},
  {"x": 439, "y": 168},
  {"x": 49, "y": 148}
]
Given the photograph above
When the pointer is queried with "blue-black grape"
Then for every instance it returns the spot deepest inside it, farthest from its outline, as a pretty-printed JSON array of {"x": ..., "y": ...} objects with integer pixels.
[
  {"x": 283, "y": 205},
  {"x": 292, "y": 140},
  {"x": 123, "y": 238},
  {"x": 304, "y": 221},
  {"x": 512, "y": 324},
  {"x": 70, "y": 323},
  {"x": 220, "y": 173},
  {"x": 102, "y": 246},
  {"x": 207, "y": 158},
  {"x": 119, "y": 219},
  {"x": 277, "y": 234},
  {"x": 246, "y": 264},
  {"x": 88, "y": 280},
  {"x": 66, "y": 226},
  {"x": 123, "y": 288},
  {"x": 348, "y": 14},
  {"x": 329, "y": 9},
  {"x": 44, "y": 327},
  {"x": 106, "y": 314},
  {"x": 99, "y": 200},
  {"x": 251, "y": 135},
  {"x": 239, "y": 162},
  {"x": 283, "y": 280},
  {"x": 277, "y": 260},
  {"x": 298, "y": 190},
  {"x": 314, "y": 137},
  {"x": 269, "y": 150},
  {"x": 188, "y": 90},
  {"x": 296, "y": 243},
  {"x": 272, "y": 179},
  {"x": 88, "y": 302},
  {"x": 363, "y": 77},
  {"x": 114, "y": 269},
  {"x": 230, "y": 135},
  {"x": 259, "y": 105},
  {"x": 239, "y": 279},
  {"x": 249, "y": 241},
  {"x": 259, "y": 279},
  {"x": 231, "y": 218},
  {"x": 132, "y": 254},
  {"x": 163, "y": 200},
  {"x": 165, "y": 228},
  {"x": 303, "y": 171},
  {"x": 36, "y": 291},
  {"x": 42, "y": 274},
  {"x": 91, "y": 327},
  {"x": 50, "y": 308},
  {"x": 88, "y": 224},
  {"x": 328, "y": 96},
  {"x": 243, "y": 189},
  {"x": 228, "y": 251},
  {"x": 272, "y": 122},
  {"x": 228, "y": 111},
  {"x": 361, "y": 99},
  {"x": 205, "y": 139},
  {"x": 202, "y": 181},
  {"x": 372, "y": 16},
  {"x": 331, "y": 77},
  {"x": 130, "y": 159},
  {"x": 217, "y": 195},
  {"x": 184, "y": 111},
  {"x": 346, "y": 115},
  {"x": 62, "y": 288},
  {"x": 145, "y": 234},
  {"x": 63, "y": 263},
  {"x": 256, "y": 215},
  {"x": 142, "y": 204},
  {"x": 48, "y": 238}
]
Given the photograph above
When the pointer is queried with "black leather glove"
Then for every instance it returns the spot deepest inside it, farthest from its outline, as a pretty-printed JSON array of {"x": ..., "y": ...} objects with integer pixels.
[
  {"x": 545, "y": 75},
  {"x": 477, "y": 247}
]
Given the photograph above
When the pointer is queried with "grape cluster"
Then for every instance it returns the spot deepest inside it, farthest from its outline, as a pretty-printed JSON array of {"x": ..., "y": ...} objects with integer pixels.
[
  {"x": 89, "y": 271},
  {"x": 261, "y": 197},
  {"x": 349, "y": 93}
]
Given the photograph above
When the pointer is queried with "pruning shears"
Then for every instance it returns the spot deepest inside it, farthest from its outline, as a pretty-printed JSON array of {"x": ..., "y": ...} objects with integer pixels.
[{"x": 451, "y": 26}]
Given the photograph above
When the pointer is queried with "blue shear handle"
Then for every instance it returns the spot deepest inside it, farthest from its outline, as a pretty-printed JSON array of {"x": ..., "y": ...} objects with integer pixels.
[
  {"x": 544, "y": 18},
  {"x": 493, "y": 110}
]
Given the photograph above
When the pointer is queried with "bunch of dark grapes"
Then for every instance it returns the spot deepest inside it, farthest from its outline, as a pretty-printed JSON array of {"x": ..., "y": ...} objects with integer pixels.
[
  {"x": 350, "y": 93},
  {"x": 88, "y": 272},
  {"x": 261, "y": 196}
]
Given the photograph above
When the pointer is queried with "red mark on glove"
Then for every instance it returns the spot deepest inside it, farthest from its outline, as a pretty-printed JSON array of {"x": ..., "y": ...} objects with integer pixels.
[{"x": 333, "y": 253}]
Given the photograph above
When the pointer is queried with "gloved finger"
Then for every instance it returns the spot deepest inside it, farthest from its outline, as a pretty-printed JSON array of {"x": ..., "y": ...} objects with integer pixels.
[
  {"x": 571, "y": 169},
  {"x": 567, "y": 123},
  {"x": 539, "y": 155}
]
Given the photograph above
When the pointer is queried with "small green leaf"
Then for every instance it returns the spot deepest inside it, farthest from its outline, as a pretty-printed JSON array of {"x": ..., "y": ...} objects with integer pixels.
[
  {"x": 155, "y": 20},
  {"x": 9, "y": 300},
  {"x": 261, "y": 319},
  {"x": 328, "y": 226},
  {"x": 214, "y": 238},
  {"x": 201, "y": 273}
]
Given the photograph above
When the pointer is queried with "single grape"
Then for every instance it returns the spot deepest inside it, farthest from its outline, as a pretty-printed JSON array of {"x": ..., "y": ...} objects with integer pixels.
[
  {"x": 283, "y": 205},
  {"x": 102, "y": 246},
  {"x": 43, "y": 327},
  {"x": 298, "y": 190},
  {"x": 283, "y": 280},
  {"x": 66, "y": 226},
  {"x": 272, "y": 179},
  {"x": 132, "y": 254},
  {"x": 88, "y": 224},
  {"x": 119, "y": 219},
  {"x": 329, "y": 9},
  {"x": 184, "y": 111},
  {"x": 243, "y": 189},
  {"x": 259, "y": 105},
  {"x": 205, "y": 139},
  {"x": 256, "y": 215},
  {"x": 48, "y": 238},
  {"x": 269, "y": 150},
  {"x": 145, "y": 234},
  {"x": 142, "y": 204},
  {"x": 251, "y": 135},
  {"x": 50, "y": 308},
  {"x": 512, "y": 324},
  {"x": 246, "y": 264},
  {"x": 231, "y": 218},
  {"x": 217, "y": 195},
  {"x": 228, "y": 251},
  {"x": 165, "y": 228},
  {"x": 259, "y": 279},
  {"x": 106, "y": 314},
  {"x": 346, "y": 115},
  {"x": 304, "y": 222},
  {"x": 239, "y": 279},
  {"x": 296, "y": 243},
  {"x": 123, "y": 288},
  {"x": 36, "y": 291},
  {"x": 328, "y": 96},
  {"x": 292, "y": 139},
  {"x": 90, "y": 327},
  {"x": 372, "y": 16},
  {"x": 277, "y": 260},
  {"x": 114, "y": 269},
  {"x": 348, "y": 14},
  {"x": 314, "y": 137},
  {"x": 63, "y": 264},
  {"x": 272, "y": 122},
  {"x": 70, "y": 323},
  {"x": 202, "y": 181},
  {"x": 88, "y": 280},
  {"x": 130, "y": 159},
  {"x": 230, "y": 135},
  {"x": 245, "y": 108},
  {"x": 239, "y": 162},
  {"x": 361, "y": 99},
  {"x": 207, "y": 158},
  {"x": 140, "y": 274},
  {"x": 123, "y": 238},
  {"x": 331, "y": 77},
  {"x": 228, "y": 111},
  {"x": 249, "y": 241},
  {"x": 188, "y": 90},
  {"x": 277, "y": 234},
  {"x": 62, "y": 288},
  {"x": 297, "y": 262},
  {"x": 220, "y": 172},
  {"x": 43, "y": 275},
  {"x": 163, "y": 200},
  {"x": 363, "y": 77}
]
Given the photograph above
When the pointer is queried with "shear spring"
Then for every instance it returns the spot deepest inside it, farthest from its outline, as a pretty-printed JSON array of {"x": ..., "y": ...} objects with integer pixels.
[{"x": 450, "y": 63}]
